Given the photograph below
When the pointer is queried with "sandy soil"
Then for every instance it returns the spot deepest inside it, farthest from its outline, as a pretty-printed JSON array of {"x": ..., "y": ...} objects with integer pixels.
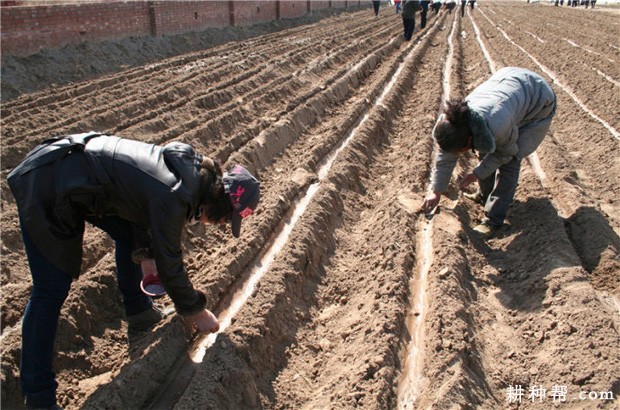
[{"x": 365, "y": 302}]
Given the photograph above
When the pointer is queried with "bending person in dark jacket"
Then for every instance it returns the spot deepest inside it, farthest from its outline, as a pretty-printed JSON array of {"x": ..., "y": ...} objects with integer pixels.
[
  {"x": 505, "y": 119},
  {"x": 409, "y": 9},
  {"x": 142, "y": 195}
]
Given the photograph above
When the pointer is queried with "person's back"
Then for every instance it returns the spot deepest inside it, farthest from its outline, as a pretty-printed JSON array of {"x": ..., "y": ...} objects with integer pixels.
[
  {"x": 136, "y": 181},
  {"x": 141, "y": 173},
  {"x": 510, "y": 96},
  {"x": 409, "y": 7},
  {"x": 450, "y": 5}
]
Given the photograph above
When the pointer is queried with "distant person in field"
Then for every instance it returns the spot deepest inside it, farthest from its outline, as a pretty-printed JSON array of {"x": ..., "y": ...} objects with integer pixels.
[
  {"x": 142, "y": 195},
  {"x": 592, "y": 2},
  {"x": 423, "y": 12},
  {"x": 450, "y": 5},
  {"x": 436, "y": 6},
  {"x": 472, "y": 3},
  {"x": 504, "y": 120},
  {"x": 397, "y": 4},
  {"x": 376, "y": 4},
  {"x": 463, "y": 4},
  {"x": 409, "y": 9}
]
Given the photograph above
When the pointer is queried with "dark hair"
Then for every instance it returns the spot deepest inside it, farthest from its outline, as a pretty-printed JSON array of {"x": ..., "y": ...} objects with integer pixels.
[
  {"x": 216, "y": 202},
  {"x": 453, "y": 135}
]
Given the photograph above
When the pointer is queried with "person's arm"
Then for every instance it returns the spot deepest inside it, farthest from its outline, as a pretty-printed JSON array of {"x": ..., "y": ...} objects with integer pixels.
[
  {"x": 505, "y": 151},
  {"x": 440, "y": 178},
  {"x": 445, "y": 162},
  {"x": 167, "y": 218}
]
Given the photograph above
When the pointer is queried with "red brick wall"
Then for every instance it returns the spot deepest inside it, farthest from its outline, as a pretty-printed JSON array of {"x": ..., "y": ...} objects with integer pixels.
[
  {"x": 25, "y": 28},
  {"x": 183, "y": 16},
  {"x": 250, "y": 12},
  {"x": 289, "y": 9},
  {"x": 319, "y": 4}
]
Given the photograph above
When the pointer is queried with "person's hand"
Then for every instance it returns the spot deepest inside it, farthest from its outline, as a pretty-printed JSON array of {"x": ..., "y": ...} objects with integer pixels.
[
  {"x": 148, "y": 267},
  {"x": 467, "y": 179},
  {"x": 431, "y": 201},
  {"x": 206, "y": 322}
]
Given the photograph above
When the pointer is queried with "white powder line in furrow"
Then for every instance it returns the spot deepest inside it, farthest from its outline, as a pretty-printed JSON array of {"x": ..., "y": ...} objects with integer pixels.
[
  {"x": 555, "y": 79},
  {"x": 536, "y": 37},
  {"x": 525, "y": 31},
  {"x": 484, "y": 49},
  {"x": 447, "y": 71},
  {"x": 239, "y": 299},
  {"x": 534, "y": 162},
  {"x": 606, "y": 77},
  {"x": 572, "y": 43},
  {"x": 412, "y": 374}
]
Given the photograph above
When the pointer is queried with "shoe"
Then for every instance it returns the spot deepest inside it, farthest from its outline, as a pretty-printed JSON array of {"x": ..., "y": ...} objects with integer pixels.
[
  {"x": 476, "y": 197},
  {"x": 486, "y": 228},
  {"x": 144, "y": 320}
]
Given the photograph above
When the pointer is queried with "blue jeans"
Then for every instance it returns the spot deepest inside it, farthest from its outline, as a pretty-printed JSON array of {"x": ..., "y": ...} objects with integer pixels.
[
  {"x": 499, "y": 190},
  {"x": 50, "y": 287}
]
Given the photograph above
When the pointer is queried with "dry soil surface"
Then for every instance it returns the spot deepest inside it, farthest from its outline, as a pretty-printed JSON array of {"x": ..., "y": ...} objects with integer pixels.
[{"x": 356, "y": 298}]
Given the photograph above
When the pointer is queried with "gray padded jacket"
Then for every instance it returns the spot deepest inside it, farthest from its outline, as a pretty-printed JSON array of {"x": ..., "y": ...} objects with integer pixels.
[{"x": 511, "y": 113}]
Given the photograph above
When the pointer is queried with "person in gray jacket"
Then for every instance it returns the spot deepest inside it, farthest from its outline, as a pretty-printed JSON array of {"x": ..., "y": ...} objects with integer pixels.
[
  {"x": 505, "y": 119},
  {"x": 142, "y": 195}
]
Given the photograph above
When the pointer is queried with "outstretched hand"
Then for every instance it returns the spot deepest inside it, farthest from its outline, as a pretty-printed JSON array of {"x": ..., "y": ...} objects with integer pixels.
[
  {"x": 431, "y": 201},
  {"x": 206, "y": 322},
  {"x": 467, "y": 180}
]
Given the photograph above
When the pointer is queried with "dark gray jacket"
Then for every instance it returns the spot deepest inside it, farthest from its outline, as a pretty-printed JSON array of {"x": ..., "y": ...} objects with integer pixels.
[
  {"x": 409, "y": 8},
  {"x": 157, "y": 189}
]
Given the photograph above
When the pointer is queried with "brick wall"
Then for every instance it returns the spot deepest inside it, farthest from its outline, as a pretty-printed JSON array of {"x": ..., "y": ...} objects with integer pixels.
[
  {"x": 340, "y": 4},
  {"x": 173, "y": 17},
  {"x": 290, "y": 9},
  {"x": 26, "y": 27},
  {"x": 250, "y": 12},
  {"x": 322, "y": 4}
]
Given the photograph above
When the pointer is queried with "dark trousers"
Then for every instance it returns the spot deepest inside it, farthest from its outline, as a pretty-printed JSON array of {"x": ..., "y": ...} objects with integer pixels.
[
  {"x": 423, "y": 12},
  {"x": 50, "y": 288},
  {"x": 375, "y": 5},
  {"x": 498, "y": 191},
  {"x": 463, "y": 4},
  {"x": 409, "y": 26}
]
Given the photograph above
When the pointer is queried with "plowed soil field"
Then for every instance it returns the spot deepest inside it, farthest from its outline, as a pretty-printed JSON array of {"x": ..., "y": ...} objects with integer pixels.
[{"x": 343, "y": 294}]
